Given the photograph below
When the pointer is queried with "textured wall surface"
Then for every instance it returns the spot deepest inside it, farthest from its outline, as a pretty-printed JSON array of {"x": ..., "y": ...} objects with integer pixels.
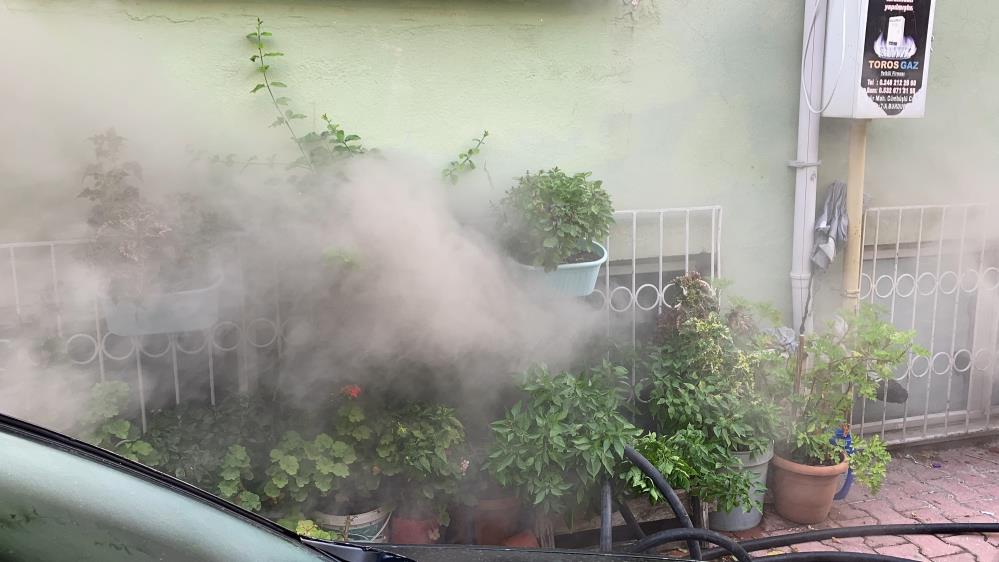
[{"x": 672, "y": 102}]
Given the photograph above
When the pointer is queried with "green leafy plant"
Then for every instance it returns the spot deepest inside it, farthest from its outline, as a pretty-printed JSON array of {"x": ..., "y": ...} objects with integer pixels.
[
  {"x": 550, "y": 218},
  {"x": 318, "y": 149},
  {"x": 236, "y": 472},
  {"x": 869, "y": 462},
  {"x": 139, "y": 246},
  {"x": 464, "y": 163},
  {"x": 103, "y": 424},
  {"x": 692, "y": 462},
  {"x": 308, "y": 528},
  {"x": 302, "y": 470},
  {"x": 564, "y": 438},
  {"x": 699, "y": 378},
  {"x": 359, "y": 422},
  {"x": 423, "y": 450},
  {"x": 850, "y": 357}
]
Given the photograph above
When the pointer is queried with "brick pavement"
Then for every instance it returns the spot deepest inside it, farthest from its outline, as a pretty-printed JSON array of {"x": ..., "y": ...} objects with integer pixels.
[{"x": 959, "y": 483}]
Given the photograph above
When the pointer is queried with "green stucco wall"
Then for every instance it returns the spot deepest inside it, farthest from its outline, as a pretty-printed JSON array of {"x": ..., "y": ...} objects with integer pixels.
[{"x": 673, "y": 103}]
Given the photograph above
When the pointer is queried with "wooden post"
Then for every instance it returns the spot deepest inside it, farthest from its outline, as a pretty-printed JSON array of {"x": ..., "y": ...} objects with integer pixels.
[{"x": 855, "y": 214}]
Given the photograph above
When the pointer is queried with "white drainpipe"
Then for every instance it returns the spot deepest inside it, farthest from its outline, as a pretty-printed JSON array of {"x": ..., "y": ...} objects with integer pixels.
[{"x": 807, "y": 161}]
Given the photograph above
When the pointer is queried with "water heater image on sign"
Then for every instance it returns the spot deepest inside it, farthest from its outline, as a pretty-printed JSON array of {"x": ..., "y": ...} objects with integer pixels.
[{"x": 896, "y": 31}]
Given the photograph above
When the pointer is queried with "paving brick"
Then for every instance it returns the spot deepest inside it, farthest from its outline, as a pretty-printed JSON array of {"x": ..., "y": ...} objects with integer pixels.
[
  {"x": 962, "y": 557},
  {"x": 931, "y": 547},
  {"x": 957, "y": 490},
  {"x": 952, "y": 509},
  {"x": 880, "y": 542},
  {"x": 977, "y": 545},
  {"x": 907, "y": 550},
  {"x": 884, "y": 513},
  {"x": 844, "y": 546},
  {"x": 840, "y": 512},
  {"x": 811, "y": 547},
  {"x": 928, "y": 515}
]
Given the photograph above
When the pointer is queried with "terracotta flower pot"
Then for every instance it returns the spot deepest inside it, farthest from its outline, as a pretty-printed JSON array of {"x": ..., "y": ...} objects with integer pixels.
[
  {"x": 496, "y": 519},
  {"x": 415, "y": 531},
  {"x": 803, "y": 493},
  {"x": 523, "y": 539}
]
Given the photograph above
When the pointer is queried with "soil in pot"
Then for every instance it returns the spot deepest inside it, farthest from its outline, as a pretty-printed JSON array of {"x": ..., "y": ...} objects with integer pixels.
[
  {"x": 803, "y": 493},
  {"x": 408, "y": 530},
  {"x": 496, "y": 520}
]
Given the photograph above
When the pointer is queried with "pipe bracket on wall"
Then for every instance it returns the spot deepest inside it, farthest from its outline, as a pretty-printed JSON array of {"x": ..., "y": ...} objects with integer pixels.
[{"x": 801, "y": 164}]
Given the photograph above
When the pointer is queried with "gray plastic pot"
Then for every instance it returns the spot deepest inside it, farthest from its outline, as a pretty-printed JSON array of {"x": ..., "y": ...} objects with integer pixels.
[
  {"x": 166, "y": 313},
  {"x": 739, "y": 519}
]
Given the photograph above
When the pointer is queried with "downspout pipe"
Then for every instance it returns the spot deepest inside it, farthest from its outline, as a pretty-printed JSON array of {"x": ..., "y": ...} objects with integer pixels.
[{"x": 806, "y": 164}]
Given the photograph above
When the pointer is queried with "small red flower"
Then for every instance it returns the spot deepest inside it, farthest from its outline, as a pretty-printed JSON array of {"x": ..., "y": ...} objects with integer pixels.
[{"x": 351, "y": 391}]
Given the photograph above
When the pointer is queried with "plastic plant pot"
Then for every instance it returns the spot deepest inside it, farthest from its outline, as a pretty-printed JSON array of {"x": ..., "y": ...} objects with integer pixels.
[
  {"x": 739, "y": 519},
  {"x": 570, "y": 279},
  {"x": 370, "y": 526},
  {"x": 803, "y": 493},
  {"x": 165, "y": 313}
]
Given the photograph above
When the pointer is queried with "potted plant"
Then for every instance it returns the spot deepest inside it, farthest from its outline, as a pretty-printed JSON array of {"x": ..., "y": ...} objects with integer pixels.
[
  {"x": 851, "y": 357},
  {"x": 423, "y": 452},
  {"x": 558, "y": 444},
  {"x": 304, "y": 472},
  {"x": 691, "y": 461},
  {"x": 552, "y": 222},
  {"x": 160, "y": 274},
  {"x": 701, "y": 381},
  {"x": 356, "y": 510}
]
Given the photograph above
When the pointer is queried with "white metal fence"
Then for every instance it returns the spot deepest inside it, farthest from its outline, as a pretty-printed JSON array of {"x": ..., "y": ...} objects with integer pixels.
[
  {"x": 935, "y": 270},
  {"x": 44, "y": 294}
]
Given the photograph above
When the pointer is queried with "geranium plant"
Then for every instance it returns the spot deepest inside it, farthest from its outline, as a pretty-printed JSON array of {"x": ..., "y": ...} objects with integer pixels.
[
  {"x": 302, "y": 470},
  {"x": 104, "y": 424},
  {"x": 550, "y": 218}
]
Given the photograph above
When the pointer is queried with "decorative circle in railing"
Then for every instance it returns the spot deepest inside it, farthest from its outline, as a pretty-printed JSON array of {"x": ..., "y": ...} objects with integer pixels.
[
  {"x": 942, "y": 367},
  {"x": 142, "y": 340},
  {"x": 252, "y": 329},
  {"x": 890, "y": 286},
  {"x": 905, "y": 285},
  {"x": 233, "y": 328},
  {"x": 970, "y": 281},
  {"x": 948, "y": 279},
  {"x": 107, "y": 352},
  {"x": 924, "y": 363},
  {"x": 962, "y": 363},
  {"x": 91, "y": 340},
  {"x": 930, "y": 285}
]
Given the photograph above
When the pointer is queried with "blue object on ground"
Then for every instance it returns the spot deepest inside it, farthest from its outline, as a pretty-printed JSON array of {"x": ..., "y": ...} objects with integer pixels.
[{"x": 845, "y": 441}]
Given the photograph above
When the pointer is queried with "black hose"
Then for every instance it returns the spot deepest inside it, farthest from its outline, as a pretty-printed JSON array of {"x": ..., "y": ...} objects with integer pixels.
[
  {"x": 607, "y": 509},
  {"x": 860, "y": 531},
  {"x": 666, "y": 490},
  {"x": 832, "y": 557},
  {"x": 670, "y": 535}
]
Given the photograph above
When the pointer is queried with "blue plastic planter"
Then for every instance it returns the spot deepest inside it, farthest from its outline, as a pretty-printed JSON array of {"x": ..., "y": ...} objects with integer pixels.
[
  {"x": 167, "y": 313},
  {"x": 570, "y": 279}
]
